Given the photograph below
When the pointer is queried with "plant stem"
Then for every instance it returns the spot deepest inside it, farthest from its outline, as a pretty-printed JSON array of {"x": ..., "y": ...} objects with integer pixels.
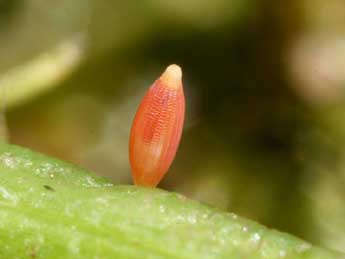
[{"x": 52, "y": 209}]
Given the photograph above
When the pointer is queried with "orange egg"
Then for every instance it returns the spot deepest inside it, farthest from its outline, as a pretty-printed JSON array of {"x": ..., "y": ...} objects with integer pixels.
[{"x": 157, "y": 128}]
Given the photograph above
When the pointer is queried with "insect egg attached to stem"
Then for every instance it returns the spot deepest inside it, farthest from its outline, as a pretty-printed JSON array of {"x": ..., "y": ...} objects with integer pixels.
[{"x": 157, "y": 128}]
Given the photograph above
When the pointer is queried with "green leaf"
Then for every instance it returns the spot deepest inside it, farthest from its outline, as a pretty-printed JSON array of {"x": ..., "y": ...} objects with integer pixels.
[{"x": 52, "y": 209}]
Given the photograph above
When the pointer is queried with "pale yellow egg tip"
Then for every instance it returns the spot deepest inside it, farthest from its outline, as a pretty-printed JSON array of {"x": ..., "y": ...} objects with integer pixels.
[{"x": 172, "y": 76}]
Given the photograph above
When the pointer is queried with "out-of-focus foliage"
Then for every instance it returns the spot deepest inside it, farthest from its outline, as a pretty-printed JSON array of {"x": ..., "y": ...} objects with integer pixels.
[
  {"x": 264, "y": 82},
  {"x": 39, "y": 75}
]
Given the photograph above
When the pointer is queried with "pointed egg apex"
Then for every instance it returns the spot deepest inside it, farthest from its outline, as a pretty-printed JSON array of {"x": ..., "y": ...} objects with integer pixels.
[{"x": 172, "y": 76}]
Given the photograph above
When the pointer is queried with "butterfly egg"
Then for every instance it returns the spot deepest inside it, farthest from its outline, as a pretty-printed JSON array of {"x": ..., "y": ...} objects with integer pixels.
[{"x": 157, "y": 128}]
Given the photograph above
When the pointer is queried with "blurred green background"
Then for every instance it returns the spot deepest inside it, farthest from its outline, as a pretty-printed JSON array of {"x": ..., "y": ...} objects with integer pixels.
[{"x": 264, "y": 81}]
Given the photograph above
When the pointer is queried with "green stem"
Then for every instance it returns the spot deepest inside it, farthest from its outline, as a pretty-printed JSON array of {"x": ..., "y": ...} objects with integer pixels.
[{"x": 52, "y": 209}]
